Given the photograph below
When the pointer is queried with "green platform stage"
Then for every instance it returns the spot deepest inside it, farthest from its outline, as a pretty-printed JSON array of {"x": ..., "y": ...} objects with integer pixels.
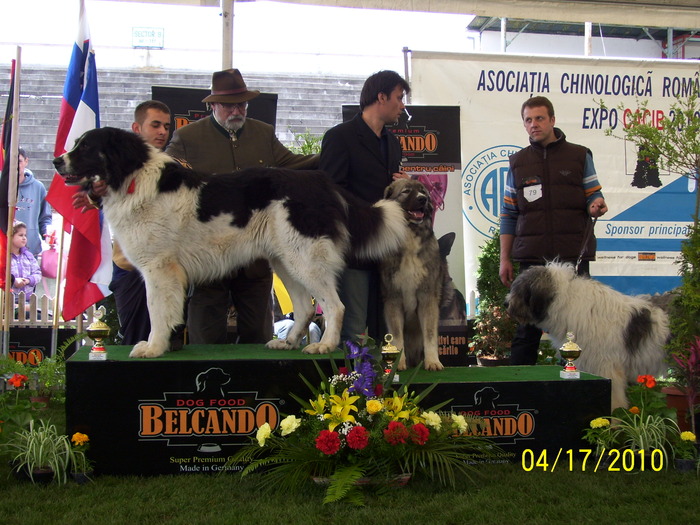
[{"x": 188, "y": 411}]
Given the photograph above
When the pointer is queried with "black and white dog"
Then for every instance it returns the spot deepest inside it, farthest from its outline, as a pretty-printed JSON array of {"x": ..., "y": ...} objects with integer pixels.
[
  {"x": 179, "y": 227},
  {"x": 621, "y": 336}
]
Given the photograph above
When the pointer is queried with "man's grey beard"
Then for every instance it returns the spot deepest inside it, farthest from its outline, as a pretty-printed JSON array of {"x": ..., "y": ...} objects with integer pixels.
[{"x": 232, "y": 123}]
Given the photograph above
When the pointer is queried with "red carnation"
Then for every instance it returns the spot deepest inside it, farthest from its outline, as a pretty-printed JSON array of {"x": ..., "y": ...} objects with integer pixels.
[
  {"x": 420, "y": 434},
  {"x": 328, "y": 442},
  {"x": 378, "y": 390},
  {"x": 396, "y": 433},
  {"x": 358, "y": 438},
  {"x": 343, "y": 370}
]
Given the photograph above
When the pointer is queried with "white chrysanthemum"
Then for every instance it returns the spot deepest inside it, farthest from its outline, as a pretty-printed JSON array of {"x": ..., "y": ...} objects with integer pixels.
[
  {"x": 289, "y": 424},
  {"x": 432, "y": 420},
  {"x": 263, "y": 433},
  {"x": 460, "y": 421}
]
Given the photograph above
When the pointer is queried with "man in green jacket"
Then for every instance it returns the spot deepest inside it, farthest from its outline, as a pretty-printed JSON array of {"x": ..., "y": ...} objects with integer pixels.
[{"x": 225, "y": 142}]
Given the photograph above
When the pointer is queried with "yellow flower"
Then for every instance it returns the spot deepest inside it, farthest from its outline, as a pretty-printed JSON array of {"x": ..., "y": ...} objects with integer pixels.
[
  {"x": 374, "y": 406},
  {"x": 432, "y": 420},
  {"x": 263, "y": 433},
  {"x": 289, "y": 424},
  {"x": 340, "y": 409},
  {"x": 395, "y": 407},
  {"x": 460, "y": 421},
  {"x": 79, "y": 439},
  {"x": 688, "y": 436},
  {"x": 600, "y": 422},
  {"x": 318, "y": 407}
]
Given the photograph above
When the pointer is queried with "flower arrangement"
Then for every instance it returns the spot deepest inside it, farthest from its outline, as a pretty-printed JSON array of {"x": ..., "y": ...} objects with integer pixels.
[
  {"x": 356, "y": 428},
  {"x": 494, "y": 331}
]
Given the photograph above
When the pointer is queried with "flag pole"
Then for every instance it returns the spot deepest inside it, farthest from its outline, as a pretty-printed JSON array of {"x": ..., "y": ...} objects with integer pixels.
[
  {"x": 13, "y": 155},
  {"x": 57, "y": 295}
]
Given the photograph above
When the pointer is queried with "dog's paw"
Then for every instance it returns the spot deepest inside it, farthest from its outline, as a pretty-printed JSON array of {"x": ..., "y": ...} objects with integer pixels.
[
  {"x": 433, "y": 365},
  {"x": 317, "y": 348},
  {"x": 279, "y": 344},
  {"x": 143, "y": 349}
]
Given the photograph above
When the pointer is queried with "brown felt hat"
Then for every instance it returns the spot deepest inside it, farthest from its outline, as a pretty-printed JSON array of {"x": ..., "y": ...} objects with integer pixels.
[{"x": 228, "y": 87}]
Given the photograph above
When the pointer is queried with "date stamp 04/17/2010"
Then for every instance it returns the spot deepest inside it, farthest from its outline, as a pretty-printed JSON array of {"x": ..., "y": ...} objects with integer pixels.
[{"x": 586, "y": 460}]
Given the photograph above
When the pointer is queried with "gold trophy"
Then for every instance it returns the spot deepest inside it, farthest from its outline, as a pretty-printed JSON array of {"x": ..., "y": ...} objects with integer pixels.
[
  {"x": 97, "y": 331},
  {"x": 389, "y": 355},
  {"x": 570, "y": 351}
]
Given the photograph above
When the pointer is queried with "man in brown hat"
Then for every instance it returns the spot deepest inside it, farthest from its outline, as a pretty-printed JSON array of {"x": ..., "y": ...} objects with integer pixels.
[{"x": 224, "y": 142}]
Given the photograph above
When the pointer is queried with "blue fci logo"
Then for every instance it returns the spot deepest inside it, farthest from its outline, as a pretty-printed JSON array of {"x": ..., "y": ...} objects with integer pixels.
[{"x": 483, "y": 186}]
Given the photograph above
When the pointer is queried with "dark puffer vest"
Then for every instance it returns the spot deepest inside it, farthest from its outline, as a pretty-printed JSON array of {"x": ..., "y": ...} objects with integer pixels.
[{"x": 555, "y": 224}]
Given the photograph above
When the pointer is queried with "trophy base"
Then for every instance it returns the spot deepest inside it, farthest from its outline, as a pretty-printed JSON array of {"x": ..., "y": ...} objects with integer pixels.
[
  {"x": 565, "y": 374},
  {"x": 97, "y": 356}
]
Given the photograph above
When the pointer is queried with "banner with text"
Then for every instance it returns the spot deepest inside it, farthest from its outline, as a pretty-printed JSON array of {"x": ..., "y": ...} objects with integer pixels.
[{"x": 639, "y": 238}]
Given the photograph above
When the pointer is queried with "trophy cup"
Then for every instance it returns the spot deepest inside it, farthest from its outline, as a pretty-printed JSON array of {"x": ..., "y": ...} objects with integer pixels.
[
  {"x": 389, "y": 355},
  {"x": 97, "y": 331},
  {"x": 570, "y": 351}
]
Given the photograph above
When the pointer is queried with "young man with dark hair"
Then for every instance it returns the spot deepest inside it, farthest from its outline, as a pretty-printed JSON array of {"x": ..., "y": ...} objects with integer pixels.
[{"x": 362, "y": 156}]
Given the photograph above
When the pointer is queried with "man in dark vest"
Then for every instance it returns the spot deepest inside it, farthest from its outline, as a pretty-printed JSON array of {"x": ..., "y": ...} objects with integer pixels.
[{"x": 551, "y": 193}]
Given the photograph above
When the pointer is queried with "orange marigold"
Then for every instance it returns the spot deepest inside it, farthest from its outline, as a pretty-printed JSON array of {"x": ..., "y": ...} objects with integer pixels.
[{"x": 634, "y": 410}]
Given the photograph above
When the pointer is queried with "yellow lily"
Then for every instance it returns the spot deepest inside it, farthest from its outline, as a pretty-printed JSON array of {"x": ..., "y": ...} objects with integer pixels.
[
  {"x": 318, "y": 407},
  {"x": 340, "y": 409}
]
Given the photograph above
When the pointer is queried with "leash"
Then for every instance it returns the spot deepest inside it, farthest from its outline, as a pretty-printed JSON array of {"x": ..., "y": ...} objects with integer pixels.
[{"x": 589, "y": 232}]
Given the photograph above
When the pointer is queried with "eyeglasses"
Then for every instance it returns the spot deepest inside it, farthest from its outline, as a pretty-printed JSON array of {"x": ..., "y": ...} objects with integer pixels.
[{"x": 240, "y": 106}]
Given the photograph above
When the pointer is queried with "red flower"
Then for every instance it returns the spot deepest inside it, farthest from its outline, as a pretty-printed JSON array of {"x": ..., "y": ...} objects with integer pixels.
[
  {"x": 378, "y": 390},
  {"x": 647, "y": 380},
  {"x": 343, "y": 370},
  {"x": 358, "y": 438},
  {"x": 328, "y": 442},
  {"x": 420, "y": 434},
  {"x": 396, "y": 433},
  {"x": 17, "y": 380}
]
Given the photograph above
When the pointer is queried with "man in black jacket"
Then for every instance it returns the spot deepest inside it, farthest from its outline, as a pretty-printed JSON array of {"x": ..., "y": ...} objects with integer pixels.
[{"x": 362, "y": 156}]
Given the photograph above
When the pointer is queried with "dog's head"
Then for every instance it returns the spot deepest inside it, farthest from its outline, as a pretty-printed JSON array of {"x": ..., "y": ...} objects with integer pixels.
[
  {"x": 108, "y": 154},
  {"x": 531, "y": 294},
  {"x": 414, "y": 199}
]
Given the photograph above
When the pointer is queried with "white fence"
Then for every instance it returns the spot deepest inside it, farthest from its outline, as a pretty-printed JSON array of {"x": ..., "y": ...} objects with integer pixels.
[{"x": 38, "y": 312}]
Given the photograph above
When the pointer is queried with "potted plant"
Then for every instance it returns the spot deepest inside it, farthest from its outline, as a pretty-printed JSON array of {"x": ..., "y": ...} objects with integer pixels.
[
  {"x": 599, "y": 433},
  {"x": 15, "y": 411},
  {"x": 493, "y": 328},
  {"x": 81, "y": 467},
  {"x": 685, "y": 451},
  {"x": 45, "y": 378},
  {"x": 493, "y": 333},
  {"x": 685, "y": 369},
  {"x": 40, "y": 453}
]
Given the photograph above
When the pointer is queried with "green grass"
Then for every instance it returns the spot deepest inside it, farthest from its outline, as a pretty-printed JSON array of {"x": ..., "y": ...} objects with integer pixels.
[{"x": 501, "y": 494}]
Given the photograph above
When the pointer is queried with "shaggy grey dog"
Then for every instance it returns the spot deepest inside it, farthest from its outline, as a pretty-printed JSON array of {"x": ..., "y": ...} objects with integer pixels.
[
  {"x": 412, "y": 280},
  {"x": 621, "y": 336}
]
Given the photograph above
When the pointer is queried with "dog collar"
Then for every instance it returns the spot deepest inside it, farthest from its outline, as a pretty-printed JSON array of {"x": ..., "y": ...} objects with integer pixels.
[{"x": 132, "y": 186}]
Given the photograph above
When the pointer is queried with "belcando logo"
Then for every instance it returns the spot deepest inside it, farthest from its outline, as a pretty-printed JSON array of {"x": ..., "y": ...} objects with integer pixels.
[
  {"x": 417, "y": 142},
  {"x": 505, "y": 423},
  {"x": 483, "y": 186},
  {"x": 209, "y": 411}
]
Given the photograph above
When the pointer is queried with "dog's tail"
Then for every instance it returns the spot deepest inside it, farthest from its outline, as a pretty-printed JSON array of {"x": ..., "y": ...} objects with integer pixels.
[{"x": 376, "y": 231}]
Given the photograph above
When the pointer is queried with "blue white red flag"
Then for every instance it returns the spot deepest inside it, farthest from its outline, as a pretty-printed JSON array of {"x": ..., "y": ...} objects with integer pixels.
[
  {"x": 89, "y": 268},
  {"x": 5, "y": 152}
]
